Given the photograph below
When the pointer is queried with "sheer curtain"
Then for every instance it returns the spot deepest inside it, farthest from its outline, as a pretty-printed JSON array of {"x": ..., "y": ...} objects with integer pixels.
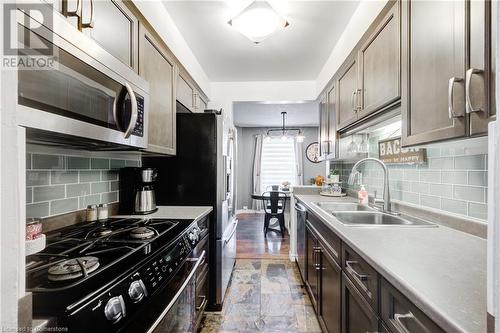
[
  {"x": 256, "y": 178},
  {"x": 299, "y": 165}
]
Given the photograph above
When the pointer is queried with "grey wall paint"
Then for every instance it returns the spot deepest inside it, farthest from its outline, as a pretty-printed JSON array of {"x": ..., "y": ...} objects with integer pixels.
[
  {"x": 57, "y": 184},
  {"x": 246, "y": 151}
]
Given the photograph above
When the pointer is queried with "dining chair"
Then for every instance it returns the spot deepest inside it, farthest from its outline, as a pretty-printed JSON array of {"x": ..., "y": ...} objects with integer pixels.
[
  {"x": 272, "y": 188},
  {"x": 274, "y": 203}
]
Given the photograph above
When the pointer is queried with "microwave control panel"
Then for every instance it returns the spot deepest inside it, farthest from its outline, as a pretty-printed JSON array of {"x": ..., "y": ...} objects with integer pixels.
[{"x": 139, "y": 124}]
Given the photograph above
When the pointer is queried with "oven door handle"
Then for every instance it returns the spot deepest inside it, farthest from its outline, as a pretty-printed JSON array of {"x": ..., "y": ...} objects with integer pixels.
[{"x": 191, "y": 275}]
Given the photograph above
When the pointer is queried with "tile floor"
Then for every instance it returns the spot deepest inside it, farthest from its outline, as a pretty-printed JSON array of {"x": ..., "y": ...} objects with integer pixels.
[{"x": 266, "y": 294}]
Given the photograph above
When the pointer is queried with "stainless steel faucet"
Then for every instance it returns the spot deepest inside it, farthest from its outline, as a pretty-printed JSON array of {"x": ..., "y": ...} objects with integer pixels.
[{"x": 355, "y": 175}]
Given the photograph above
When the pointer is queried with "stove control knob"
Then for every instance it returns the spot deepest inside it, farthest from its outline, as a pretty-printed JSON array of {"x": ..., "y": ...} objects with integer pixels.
[
  {"x": 193, "y": 237},
  {"x": 115, "y": 309},
  {"x": 137, "y": 291}
]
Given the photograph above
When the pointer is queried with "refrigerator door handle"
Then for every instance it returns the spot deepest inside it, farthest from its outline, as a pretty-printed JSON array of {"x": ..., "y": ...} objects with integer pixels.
[{"x": 231, "y": 234}]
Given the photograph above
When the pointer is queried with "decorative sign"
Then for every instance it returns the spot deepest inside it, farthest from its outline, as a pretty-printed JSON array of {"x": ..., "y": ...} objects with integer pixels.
[
  {"x": 390, "y": 152},
  {"x": 312, "y": 152}
]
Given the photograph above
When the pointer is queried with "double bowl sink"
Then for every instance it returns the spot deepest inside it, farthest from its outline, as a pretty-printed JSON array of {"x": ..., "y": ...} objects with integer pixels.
[{"x": 353, "y": 214}]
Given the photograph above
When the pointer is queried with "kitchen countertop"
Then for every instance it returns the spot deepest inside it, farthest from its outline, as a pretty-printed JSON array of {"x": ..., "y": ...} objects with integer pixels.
[
  {"x": 176, "y": 212},
  {"x": 441, "y": 270}
]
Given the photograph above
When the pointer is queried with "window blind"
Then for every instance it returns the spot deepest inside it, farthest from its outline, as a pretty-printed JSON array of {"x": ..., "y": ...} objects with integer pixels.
[{"x": 278, "y": 162}]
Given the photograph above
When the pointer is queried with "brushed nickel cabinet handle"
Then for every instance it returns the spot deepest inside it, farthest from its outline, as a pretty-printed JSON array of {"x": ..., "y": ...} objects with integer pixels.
[
  {"x": 468, "y": 77},
  {"x": 451, "y": 110},
  {"x": 359, "y": 105},
  {"x": 400, "y": 318},
  {"x": 349, "y": 264},
  {"x": 90, "y": 24},
  {"x": 77, "y": 12},
  {"x": 353, "y": 101}
]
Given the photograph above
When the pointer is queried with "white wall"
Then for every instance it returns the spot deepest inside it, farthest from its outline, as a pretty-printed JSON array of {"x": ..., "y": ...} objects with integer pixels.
[
  {"x": 11, "y": 196},
  {"x": 363, "y": 16},
  {"x": 158, "y": 16},
  {"x": 225, "y": 93}
]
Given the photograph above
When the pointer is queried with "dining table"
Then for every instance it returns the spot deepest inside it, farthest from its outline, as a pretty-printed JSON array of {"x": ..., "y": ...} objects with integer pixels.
[{"x": 265, "y": 195}]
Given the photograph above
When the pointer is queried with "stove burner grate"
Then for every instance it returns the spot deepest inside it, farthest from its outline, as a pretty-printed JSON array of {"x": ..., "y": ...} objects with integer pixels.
[{"x": 73, "y": 268}]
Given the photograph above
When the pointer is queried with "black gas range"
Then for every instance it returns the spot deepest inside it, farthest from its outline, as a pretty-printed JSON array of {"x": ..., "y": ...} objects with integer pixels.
[{"x": 120, "y": 275}]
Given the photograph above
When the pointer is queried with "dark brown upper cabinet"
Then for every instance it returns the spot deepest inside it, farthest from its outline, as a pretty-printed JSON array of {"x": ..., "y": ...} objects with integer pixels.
[
  {"x": 446, "y": 70},
  {"x": 479, "y": 84},
  {"x": 323, "y": 126},
  {"x": 379, "y": 65},
  {"x": 332, "y": 123},
  {"x": 110, "y": 23},
  {"x": 157, "y": 65},
  {"x": 347, "y": 93}
]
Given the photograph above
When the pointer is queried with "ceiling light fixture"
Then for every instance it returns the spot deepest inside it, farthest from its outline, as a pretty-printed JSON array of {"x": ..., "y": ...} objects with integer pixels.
[
  {"x": 258, "y": 21},
  {"x": 285, "y": 132}
]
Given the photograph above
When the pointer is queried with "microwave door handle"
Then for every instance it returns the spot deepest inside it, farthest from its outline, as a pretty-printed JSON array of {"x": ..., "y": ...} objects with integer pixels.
[
  {"x": 133, "y": 117},
  {"x": 198, "y": 261}
]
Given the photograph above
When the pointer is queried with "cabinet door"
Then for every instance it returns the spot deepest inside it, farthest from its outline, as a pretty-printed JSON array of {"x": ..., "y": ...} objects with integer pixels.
[
  {"x": 312, "y": 266},
  {"x": 331, "y": 300},
  {"x": 347, "y": 94},
  {"x": 158, "y": 67},
  {"x": 379, "y": 65},
  {"x": 357, "y": 315},
  {"x": 113, "y": 26},
  {"x": 323, "y": 126},
  {"x": 185, "y": 93},
  {"x": 433, "y": 63},
  {"x": 479, "y": 101},
  {"x": 400, "y": 315},
  {"x": 332, "y": 124}
]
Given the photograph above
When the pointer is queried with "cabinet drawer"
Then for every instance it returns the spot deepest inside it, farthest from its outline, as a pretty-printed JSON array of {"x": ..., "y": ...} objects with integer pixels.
[
  {"x": 363, "y": 276},
  {"x": 357, "y": 315},
  {"x": 326, "y": 236},
  {"x": 400, "y": 315}
]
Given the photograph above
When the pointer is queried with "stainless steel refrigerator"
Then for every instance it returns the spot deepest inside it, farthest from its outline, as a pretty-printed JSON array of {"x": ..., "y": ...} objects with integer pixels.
[{"x": 202, "y": 174}]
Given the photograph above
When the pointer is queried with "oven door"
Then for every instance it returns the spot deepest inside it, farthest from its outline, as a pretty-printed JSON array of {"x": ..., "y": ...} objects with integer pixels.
[
  {"x": 79, "y": 95},
  {"x": 173, "y": 308}
]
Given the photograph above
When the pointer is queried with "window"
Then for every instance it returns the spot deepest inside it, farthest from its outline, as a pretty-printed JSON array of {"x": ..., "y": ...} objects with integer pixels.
[{"x": 278, "y": 162}]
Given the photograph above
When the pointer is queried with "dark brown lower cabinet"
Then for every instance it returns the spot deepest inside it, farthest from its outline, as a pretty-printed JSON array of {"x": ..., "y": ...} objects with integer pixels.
[
  {"x": 312, "y": 280},
  {"x": 402, "y": 316},
  {"x": 357, "y": 315},
  {"x": 330, "y": 300},
  {"x": 323, "y": 281}
]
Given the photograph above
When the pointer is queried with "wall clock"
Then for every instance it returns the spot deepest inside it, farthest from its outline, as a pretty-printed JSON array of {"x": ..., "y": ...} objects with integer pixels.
[{"x": 312, "y": 152}]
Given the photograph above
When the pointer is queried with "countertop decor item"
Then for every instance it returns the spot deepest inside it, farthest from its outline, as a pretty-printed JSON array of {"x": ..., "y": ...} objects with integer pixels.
[
  {"x": 35, "y": 245},
  {"x": 320, "y": 180},
  {"x": 312, "y": 152}
]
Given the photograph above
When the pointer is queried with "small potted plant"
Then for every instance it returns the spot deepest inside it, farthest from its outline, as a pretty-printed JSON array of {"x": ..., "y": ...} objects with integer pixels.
[{"x": 335, "y": 176}]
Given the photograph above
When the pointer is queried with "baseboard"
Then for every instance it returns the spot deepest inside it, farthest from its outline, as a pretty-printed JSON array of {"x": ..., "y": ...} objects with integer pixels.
[{"x": 248, "y": 211}]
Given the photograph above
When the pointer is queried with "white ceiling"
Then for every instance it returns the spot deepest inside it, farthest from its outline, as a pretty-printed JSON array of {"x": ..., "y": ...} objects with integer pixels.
[
  {"x": 255, "y": 114},
  {"x": 294, "y": 54}
]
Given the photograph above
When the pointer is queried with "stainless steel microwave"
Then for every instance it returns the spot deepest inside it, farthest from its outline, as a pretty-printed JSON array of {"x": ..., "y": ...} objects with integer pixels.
[{"x": 87, "y": 98}]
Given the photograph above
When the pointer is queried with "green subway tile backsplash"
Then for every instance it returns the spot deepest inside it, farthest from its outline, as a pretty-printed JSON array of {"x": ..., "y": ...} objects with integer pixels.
[
  {"x": 78, "y": 162},
  {"x": 99, "y": 163},
  {"x": 47, "y": 193},
  {"x": 34, "y": 178},
  {"x": 63, "y": 177},
  {"x": 450, "y": 181},
  {"x": 58, "y": 184},
  {"x": 47, "y": 162},
  {"x": 90, "y": 176}
]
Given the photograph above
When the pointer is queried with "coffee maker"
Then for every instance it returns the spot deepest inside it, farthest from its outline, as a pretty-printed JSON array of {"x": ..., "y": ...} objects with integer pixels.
[{"x": 137, "y": 195}]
